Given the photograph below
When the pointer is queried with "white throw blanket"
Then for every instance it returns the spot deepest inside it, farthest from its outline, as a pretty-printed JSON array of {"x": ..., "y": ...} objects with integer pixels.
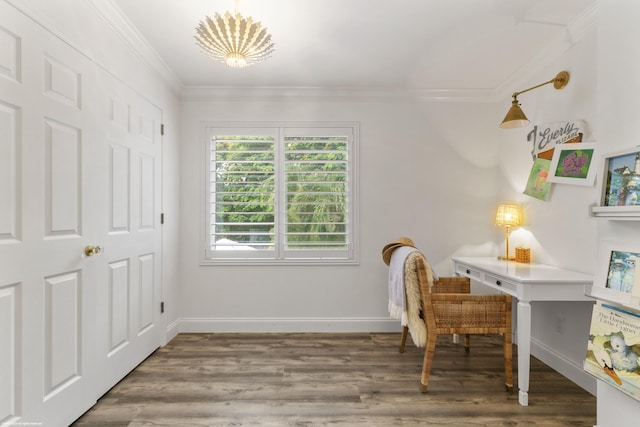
[{"x": 397, "y": 295}]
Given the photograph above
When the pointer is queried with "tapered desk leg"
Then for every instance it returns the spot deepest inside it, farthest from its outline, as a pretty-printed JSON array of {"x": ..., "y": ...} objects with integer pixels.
[{"x": 524, "y": 350}]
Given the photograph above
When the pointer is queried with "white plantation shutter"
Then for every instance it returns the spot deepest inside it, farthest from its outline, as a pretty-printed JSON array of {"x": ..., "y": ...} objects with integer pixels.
[
  {"x": 281, "y": 194},
  {"x": 242, "y": 169},
  {"x": 316, "y": 192}
]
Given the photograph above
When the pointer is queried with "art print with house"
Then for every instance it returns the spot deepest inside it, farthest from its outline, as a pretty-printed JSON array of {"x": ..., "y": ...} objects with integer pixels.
[
  {"x": 622, "y": 179},
  {"x": 613, "y": 348}
]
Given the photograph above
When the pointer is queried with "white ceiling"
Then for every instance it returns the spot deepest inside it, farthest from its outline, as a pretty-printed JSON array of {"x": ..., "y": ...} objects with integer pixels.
[{"x": 416, "y": 44}]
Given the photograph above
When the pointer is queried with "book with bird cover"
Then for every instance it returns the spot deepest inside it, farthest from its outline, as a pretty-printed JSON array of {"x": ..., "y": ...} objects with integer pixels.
[{"x": 613, "y": 349}]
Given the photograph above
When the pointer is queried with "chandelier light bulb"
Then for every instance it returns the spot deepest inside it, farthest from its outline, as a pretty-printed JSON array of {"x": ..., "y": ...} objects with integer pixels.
[{"x": 236, "y": 60}]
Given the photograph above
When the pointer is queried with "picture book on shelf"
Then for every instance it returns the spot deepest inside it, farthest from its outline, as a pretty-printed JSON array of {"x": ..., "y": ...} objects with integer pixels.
[{"x": 613, "y": 349}]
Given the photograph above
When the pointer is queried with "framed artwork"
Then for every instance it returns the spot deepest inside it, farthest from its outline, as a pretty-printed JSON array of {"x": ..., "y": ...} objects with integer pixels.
[
  {"x": 619, "y": 186},
  {"x": 618, "y": 274},
  {"x": 573, "y": 164},
  {"x": 621, "y": 178}
]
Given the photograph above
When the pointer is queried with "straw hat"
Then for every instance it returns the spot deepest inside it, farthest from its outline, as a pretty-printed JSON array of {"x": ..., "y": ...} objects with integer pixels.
[{"x": 390, "y": 247}]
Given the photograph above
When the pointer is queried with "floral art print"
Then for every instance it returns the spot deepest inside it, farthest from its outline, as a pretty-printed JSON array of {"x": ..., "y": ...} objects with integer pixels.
[{"x": 573, "y": 164}]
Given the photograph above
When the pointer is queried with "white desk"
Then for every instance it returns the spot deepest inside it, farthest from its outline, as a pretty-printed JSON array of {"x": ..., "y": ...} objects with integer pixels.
[{"x": 526, "y": 282}]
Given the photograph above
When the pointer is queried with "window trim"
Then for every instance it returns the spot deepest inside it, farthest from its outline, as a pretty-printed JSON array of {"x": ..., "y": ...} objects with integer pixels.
[{"x": 279, "y": 129}]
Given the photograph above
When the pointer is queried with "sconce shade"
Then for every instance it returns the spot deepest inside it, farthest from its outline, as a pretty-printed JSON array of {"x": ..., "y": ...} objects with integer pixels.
[
  {"x": 507, "y": 216},
  {"x": 515, "y": 117}
]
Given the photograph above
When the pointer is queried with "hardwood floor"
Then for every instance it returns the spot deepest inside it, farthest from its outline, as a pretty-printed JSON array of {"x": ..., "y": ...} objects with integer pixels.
[{"x": 357, "y": 379}]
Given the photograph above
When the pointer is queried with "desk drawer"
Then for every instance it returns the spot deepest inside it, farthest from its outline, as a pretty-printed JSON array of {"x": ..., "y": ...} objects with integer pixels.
[
  {"x": 501, "y": 284},
  {"x": 470, "y": 272}
]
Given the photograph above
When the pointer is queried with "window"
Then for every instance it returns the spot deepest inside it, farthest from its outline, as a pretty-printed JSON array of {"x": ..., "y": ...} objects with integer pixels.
[{"x": 280, "y": 194}]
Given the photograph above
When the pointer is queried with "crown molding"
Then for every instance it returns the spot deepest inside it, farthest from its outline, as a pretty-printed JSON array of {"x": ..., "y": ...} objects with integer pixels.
[
  {"x": 114, "y": 17},
  {"x": 584, "y": 23},
  {"x": 574, "y": 32},
  {"x": 552, "y": 53},
  {"x": 297, "y": 93},
  {"x": 134, "y": 40},
  {"x": 455, "y": 95}
]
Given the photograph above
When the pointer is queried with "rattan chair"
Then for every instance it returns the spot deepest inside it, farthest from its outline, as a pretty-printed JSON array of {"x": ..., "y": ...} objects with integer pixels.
[{"x": 449, "y": 308}]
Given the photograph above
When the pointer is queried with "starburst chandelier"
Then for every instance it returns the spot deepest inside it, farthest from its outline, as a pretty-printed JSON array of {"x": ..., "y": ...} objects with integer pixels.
[{"x": 233, "y": 39}]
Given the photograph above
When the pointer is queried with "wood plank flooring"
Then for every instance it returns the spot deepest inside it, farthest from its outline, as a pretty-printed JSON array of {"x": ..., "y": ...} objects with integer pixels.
[{"x": 309, "y": 379}]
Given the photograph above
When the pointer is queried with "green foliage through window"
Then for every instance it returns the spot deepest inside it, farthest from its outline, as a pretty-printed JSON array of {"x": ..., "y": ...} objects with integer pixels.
[
  {"x": 316, "y": 192},
  {"x": 289, "y": 194},
  {"x": 243, "y": 183}
]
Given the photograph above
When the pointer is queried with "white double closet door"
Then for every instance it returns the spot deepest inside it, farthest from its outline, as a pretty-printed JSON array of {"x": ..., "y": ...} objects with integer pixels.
[{"x": 80, "y": 167}]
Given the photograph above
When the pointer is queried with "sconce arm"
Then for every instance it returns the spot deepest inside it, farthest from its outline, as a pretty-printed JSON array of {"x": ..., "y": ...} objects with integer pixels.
[{"x": 559, "y": 82}]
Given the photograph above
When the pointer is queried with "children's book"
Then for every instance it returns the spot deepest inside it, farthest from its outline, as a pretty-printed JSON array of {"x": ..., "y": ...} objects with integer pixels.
[{"x": 613, "y": 349}]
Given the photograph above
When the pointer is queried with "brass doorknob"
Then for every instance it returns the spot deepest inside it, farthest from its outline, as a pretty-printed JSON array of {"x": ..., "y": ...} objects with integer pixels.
[{"x": 92, "y": 250}]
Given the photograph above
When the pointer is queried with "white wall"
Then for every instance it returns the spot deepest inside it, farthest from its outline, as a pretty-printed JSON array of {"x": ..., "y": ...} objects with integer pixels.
[
  {"x": 559, "y": 231},
  {"x": 413, "y": 181},
  {"x": 618, "y": 92},
  {"x": 605, "y": 91}
]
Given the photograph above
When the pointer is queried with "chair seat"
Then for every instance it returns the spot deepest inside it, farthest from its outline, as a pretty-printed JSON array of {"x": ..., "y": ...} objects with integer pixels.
[{"x": 473, "y": 314}]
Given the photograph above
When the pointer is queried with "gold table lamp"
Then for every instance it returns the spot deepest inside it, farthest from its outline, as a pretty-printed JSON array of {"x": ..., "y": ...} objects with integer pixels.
[{"x": 507, "y": 216}]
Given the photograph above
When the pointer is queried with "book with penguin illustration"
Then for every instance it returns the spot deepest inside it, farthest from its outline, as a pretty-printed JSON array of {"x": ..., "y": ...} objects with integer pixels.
[{"x": 613, "y": 349}]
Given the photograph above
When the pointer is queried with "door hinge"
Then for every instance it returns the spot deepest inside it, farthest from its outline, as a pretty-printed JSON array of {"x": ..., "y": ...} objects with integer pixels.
[
  {"x": 161, "y": 218},
  {"x": 162, "y": 307},
  {"x": 162, "y": 129}
]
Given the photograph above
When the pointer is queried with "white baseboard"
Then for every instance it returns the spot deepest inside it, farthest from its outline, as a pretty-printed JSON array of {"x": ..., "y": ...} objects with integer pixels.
[
  {"x": 562, "y": 365},
  {"x": 172, "y": 330},
  {"x": 358, "y": 324}
]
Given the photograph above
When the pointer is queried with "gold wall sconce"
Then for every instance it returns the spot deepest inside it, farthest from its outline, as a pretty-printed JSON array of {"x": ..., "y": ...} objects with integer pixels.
[
  {"x": 507, "y": 216},
  {"x": 515, "y": 117}
]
